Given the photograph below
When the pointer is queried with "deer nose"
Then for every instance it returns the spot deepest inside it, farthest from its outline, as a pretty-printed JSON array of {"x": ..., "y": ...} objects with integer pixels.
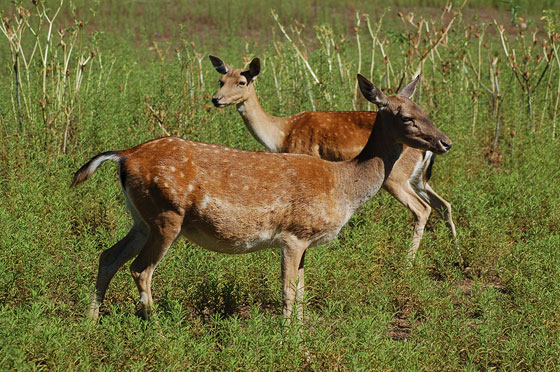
[
  {"x": 216, "y": 101},
  {"x": 445, "y": 144}
]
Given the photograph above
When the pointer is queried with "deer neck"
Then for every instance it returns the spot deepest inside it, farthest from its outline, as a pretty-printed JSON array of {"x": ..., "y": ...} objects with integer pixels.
[
  {"x": 269, "y": 130},
  {"x": 369, "y": 170}
]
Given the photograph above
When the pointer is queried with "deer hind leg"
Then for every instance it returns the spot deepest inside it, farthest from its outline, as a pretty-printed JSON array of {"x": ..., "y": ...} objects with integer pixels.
[
  {"x": 300, "y": 290},
  {"x": 443, "y": 207},
  {"x": 421, "y": 212},
  {"x": 142, "y": 268},
  {"x": 111, "y": 260},
  {"x": 293, "y": 257}
]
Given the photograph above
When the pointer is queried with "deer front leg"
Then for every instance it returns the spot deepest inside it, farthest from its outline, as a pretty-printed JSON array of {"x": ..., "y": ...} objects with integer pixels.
[
  {"x": 293, "y": 279},
  {"x": 443, "y": 207}
]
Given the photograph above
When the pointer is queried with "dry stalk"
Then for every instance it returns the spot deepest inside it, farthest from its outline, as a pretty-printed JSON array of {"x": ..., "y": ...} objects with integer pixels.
[
  {"x": 495, "y": 83},
  {"x": 298, "y": 52},
  {"x": 524, "y": 76},
  {"x": 373, "y": 44},
  {"x": 159, "y": 120},
  {"x": 357, "y": 31},
  {"x": 276, "y": 86},
  {"x": 14, "y": 35},
  {"x": 555, "y": 111},
  {"x": 339, "y": 60},
  {"x": 308, "y": 85},
  {"x": 435, "y": 43}
]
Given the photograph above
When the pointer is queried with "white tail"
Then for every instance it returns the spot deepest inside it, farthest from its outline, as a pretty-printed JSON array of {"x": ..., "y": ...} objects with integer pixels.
[
  {"x": 235, "y": 201},
  {"x": 334, "y": 136},
  {"x": 87, "y": 170}
]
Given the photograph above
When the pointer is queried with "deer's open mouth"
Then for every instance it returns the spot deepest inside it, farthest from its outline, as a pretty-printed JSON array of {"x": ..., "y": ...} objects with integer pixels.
[
  {"x": 218, "y": 104},
  {"x": 443, "y": 146}
]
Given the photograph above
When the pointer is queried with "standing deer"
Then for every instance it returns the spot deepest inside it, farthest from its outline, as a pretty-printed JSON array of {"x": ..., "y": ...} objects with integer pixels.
[
  {"x": 235, "y": 201},
  {"x": 333, "y": 136}
]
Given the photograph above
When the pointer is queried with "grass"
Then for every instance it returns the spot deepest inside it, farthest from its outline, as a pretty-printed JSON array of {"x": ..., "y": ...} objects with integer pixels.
[{"x": 365, "y": 309}]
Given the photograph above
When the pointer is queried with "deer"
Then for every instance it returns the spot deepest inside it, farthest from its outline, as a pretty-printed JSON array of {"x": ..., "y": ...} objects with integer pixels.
[
  {"x": 234, "y": 201},
  {"x": 334, "y": 136}
]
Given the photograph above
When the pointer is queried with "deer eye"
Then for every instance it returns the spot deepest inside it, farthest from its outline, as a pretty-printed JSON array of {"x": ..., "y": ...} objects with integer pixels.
[
  {"x": 242, "y": 83},
  {"x": 406, "y": 119}
]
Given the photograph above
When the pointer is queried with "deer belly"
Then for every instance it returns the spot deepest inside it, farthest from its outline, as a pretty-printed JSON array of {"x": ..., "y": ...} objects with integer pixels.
[
  {"x": 230, "y": 243},
  {"x": 229, "y": 227},
  {"x": 223, "y": 225}
]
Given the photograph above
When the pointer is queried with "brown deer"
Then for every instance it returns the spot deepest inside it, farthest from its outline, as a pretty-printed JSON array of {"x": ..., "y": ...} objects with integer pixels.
[
  {"x": 235, "y": 201},
  {"x": 333, "y": 136}
]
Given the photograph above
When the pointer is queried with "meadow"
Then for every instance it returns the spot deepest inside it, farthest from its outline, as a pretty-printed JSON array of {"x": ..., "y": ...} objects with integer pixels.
[{"x": 78, "y": 78}]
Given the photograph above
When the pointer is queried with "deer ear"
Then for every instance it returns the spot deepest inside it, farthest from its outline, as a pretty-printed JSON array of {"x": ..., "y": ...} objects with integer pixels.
[
  {"x": 408, "y": 91},
  {"x": 219, "y": 65},
  {"x": 254, "y": 68},
  {"x": 371, "y": 92},
  {"x": 253, "y": 71}
]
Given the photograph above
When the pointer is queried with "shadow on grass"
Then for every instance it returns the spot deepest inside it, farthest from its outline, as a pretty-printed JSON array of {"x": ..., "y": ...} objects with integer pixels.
[{"x": 216, "y": 298}]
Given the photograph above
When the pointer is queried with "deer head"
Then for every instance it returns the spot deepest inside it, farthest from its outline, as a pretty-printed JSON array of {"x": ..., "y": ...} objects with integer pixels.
[
  {"x": 235, "y": 84},
  {"x": 409, "y": 124}
]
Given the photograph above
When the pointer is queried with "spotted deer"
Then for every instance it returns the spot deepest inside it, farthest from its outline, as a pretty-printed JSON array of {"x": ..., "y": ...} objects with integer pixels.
[
  {"x": 333, "y": 136},
  {"x": 234, "y": 201}
]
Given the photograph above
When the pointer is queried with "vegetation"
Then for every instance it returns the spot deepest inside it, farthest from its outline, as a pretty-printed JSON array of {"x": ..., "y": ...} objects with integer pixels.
[{"x": 95, "y": 77}]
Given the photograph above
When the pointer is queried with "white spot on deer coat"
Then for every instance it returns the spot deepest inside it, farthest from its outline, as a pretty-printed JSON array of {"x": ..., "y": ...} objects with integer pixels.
[{"x": 204, "y": 202}]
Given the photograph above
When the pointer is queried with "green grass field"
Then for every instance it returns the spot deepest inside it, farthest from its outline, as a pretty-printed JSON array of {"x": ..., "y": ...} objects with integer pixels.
[{"x": 139, "y": 70}]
